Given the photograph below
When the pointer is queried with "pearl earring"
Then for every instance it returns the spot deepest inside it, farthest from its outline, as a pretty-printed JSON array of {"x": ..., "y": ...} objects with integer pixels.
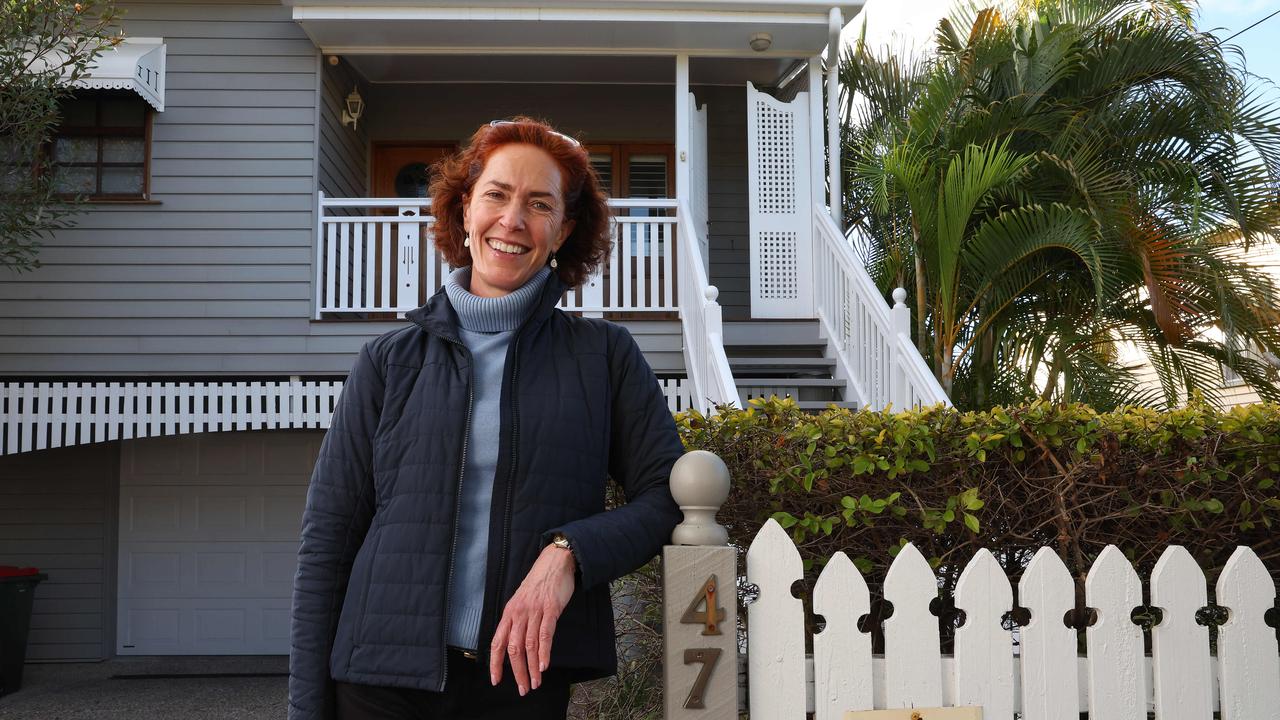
[
  {"x": 466, "y": 240},
  {"x": 554, "y": 264}
]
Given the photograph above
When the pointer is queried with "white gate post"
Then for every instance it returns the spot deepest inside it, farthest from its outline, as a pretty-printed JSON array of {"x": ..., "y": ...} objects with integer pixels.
[{"x": 700, "y": 598}]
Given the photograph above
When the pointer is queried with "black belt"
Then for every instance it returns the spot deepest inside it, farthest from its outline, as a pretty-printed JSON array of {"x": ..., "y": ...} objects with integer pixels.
[{"x": 471, "y": 655}]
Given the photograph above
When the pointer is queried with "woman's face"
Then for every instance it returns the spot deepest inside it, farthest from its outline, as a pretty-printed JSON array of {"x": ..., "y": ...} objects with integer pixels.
[{"x": 515, "y": 217}]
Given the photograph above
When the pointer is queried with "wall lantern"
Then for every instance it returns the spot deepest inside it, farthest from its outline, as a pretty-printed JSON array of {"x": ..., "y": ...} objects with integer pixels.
[
  {"x": 354, "y": 109},
  {"x": 761, "y": 41}
]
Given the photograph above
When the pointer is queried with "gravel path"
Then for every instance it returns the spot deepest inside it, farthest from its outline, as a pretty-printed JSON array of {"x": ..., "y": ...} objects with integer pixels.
[{"x": 76, "y": 691}]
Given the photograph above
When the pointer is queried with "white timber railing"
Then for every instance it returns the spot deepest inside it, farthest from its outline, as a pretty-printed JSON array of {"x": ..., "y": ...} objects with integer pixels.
[
  {"x": 374, "y": 257},
  {"x": 1041, "y": 676},
  {"x": 702, "y": 325},
  {"x": 872, "y": 343},
  {"x": 40, "y": 415}
]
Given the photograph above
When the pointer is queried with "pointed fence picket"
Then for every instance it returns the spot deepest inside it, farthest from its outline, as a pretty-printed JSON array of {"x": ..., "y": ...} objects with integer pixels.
[
  {"x": 1179, "y": 645},
  {"x": 841, "y": 653},
  {"x": 984, "y": 649},
  {"x": 1049, "y": 682},
  {"x": 1046, "y": 678},
  {"x": 1248, "y": 657},
  {"x": 1117, "y": 678},
  {"x": 913, "y": 659},
  {"x": 775, "y": 646}
]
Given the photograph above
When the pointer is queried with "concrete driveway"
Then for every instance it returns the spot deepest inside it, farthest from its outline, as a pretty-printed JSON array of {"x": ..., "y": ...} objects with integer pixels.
[{"x": 144, "y": 688}]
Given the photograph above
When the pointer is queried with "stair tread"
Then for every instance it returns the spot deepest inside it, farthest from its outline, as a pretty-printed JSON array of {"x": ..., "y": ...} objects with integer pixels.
[
  {"x": 782, "y": 362},
  {"x": 775, "y": 342},
  {"x": 782, "y": 382}
]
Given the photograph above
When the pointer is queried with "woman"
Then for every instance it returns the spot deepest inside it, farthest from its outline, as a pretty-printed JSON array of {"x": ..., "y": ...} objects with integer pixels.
[{"x": 456, "y": 553}]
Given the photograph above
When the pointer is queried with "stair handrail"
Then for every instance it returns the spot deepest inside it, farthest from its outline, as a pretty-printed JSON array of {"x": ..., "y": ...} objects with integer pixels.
[
  {"x": 872, "y": 342},
  {"x": 701, "y": 323}
]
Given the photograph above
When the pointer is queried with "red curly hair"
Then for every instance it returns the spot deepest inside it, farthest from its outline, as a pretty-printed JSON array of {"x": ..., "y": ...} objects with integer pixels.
[{"x": 584, "y": 201}]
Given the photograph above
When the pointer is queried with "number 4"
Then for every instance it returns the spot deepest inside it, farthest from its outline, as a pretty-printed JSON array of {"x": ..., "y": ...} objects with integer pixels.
[{"x": 710, "y": 617}]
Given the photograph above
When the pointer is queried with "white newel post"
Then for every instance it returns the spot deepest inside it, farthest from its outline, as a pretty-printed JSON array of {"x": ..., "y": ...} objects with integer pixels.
[
  {"x": 699, "y": 597},
  {"x": 901, "y": 318},
  {"x": 407, "y": 259}
]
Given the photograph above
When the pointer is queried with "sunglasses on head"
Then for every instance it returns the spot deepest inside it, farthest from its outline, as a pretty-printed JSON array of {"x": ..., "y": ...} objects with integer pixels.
[{"x": 562, "y": 136}]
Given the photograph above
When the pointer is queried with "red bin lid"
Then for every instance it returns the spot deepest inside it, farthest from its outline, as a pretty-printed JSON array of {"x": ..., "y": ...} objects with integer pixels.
[{"x": 15, "y": 571}]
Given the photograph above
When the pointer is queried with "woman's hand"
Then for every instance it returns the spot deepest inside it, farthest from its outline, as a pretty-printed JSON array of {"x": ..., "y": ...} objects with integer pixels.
[{"x": 529, "y": 620}]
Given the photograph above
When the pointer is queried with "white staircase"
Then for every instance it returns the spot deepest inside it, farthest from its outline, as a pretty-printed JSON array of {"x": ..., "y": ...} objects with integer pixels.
[{"x": 786, "y": 358}]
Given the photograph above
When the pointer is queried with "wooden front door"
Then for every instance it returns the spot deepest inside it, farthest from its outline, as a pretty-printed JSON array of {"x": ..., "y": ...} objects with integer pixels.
[{"x": 405, "y": 170}]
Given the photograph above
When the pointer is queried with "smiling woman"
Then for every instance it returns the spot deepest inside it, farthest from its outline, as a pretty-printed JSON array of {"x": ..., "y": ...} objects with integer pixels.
[
  {"x": 517, "y": 219},
  {"x": 446, "y": 572},
  {"x": 566, "y": 179}
]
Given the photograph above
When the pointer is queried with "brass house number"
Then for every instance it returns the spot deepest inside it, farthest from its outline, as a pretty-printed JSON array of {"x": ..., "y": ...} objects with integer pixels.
[{"x": 709, "y": 618}]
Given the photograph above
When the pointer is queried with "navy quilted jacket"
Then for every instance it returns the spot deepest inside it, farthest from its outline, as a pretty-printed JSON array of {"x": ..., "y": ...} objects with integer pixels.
[{"x": 579, "y": 403}]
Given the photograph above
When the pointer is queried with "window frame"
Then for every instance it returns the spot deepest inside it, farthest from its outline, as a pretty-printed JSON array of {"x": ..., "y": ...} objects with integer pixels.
[{"x": 47, "y": 164}]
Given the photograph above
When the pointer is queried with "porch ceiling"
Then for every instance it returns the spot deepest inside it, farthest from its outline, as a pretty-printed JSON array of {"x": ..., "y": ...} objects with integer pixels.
[
  {"x": 626, "y": 27},
  {"x": 562, "y": 69}
]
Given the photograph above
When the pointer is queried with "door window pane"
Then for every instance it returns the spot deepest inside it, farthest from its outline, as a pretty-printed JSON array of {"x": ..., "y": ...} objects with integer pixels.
[{"x": 413, "y": 180}]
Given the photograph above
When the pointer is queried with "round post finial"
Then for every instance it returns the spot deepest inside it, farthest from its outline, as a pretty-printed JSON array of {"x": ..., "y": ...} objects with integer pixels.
[
  {"x": 700, "y": 485},
  {"x": 899, "y": 296}
]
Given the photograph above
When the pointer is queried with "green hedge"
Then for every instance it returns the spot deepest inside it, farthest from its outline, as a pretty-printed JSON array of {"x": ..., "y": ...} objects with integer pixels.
[{"x": 1010, "y": 479}]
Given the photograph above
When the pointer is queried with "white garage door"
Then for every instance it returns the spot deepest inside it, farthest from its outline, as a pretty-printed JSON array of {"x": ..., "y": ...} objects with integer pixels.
[{"x": 209, "y": 528}]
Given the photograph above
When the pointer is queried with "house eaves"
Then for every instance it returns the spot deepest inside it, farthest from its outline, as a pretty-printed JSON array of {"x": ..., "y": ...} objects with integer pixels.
[{"x": 625, "y": 27}]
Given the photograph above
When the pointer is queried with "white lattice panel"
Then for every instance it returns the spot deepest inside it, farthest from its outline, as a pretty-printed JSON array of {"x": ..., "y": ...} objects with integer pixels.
[
  {"x": 780, "y": 201},
  {"x": 778, "y": 266}
]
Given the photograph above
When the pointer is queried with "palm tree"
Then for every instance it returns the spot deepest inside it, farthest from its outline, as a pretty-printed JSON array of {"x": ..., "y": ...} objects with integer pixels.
[{"x": 1061, "y": 176}]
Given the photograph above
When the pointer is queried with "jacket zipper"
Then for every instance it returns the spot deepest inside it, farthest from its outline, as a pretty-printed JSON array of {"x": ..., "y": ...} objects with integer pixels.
[
  {"x": 511, "y": 473},
  {"x": 457, "y": 511}
]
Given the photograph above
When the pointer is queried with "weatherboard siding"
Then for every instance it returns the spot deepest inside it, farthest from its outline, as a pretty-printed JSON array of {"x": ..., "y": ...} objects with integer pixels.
[
  {"x": 343, "y": 151},
  {"x": 57, "y": 513},
  {"x": 216, "y": 278},
  {"x": 727, "y": 198}
]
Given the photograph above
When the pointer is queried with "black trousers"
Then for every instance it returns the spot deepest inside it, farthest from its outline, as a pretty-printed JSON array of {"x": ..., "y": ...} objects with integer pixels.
[{"x": 467, "y": 695}]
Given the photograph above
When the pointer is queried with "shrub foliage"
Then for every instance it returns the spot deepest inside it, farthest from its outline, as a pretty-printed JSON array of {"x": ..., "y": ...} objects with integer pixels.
[{"x": 1009, "y": 479}]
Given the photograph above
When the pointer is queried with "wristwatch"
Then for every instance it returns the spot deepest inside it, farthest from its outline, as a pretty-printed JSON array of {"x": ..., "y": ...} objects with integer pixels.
[{"x": 560, "y": 540}]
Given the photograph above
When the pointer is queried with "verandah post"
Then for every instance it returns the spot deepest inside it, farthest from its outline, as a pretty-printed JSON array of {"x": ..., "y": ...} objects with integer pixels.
[{"x": 700, "y": 597}]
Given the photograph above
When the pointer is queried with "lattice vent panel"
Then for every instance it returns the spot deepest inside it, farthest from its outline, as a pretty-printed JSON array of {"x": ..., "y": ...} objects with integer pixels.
[
  {"x": 775, "y": 159},
  {"x": 778, "y": 265}
]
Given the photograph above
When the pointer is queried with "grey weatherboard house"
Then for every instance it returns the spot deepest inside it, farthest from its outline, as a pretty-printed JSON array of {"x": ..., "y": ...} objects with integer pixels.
[{"x": 257, "y": 172}]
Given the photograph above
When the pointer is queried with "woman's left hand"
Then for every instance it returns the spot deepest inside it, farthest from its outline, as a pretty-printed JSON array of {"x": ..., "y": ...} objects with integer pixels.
[{"x": 529, "y": 620}]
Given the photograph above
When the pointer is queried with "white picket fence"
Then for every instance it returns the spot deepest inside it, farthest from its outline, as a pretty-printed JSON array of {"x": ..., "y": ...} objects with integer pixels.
[
  {"x": 872, "y": 343},
  {"x": 1044, "y": 679},
  {"x": 367, "y": 263},
  {"x": 37, "y": 415}
]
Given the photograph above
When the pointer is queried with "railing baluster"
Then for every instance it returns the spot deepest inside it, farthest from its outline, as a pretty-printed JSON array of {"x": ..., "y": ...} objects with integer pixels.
[
  {"x": 331, "y": 265},
  {"x": 370, "y": 261},
  {"x": 357, "y": 266}
]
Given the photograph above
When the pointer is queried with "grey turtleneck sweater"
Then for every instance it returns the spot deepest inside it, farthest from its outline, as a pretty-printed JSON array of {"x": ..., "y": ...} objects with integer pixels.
[{"x": 486, "y": 326}]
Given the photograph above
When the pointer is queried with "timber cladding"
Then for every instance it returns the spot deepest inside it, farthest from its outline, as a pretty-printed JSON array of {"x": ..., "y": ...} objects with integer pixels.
[{"x": 57, "y": 513}]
